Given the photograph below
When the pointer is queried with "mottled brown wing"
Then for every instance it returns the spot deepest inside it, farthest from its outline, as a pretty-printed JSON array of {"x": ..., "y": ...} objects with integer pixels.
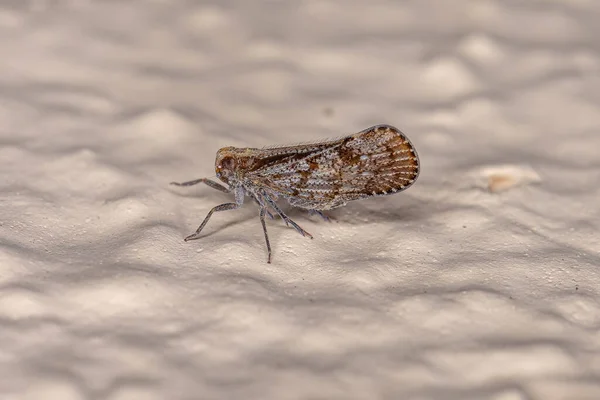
[{"x": 377, "y": 161}]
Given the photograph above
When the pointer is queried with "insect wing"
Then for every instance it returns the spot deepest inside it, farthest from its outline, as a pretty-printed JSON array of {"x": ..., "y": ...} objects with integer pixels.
[{"x": 379, "y": 160}]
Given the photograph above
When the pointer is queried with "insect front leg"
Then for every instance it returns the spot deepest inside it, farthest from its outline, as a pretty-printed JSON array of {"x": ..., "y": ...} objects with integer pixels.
[
  {"x": 221, "y": 207},
  {"x": 239, "y": 200},
  {"x": 206, "y": 181}
]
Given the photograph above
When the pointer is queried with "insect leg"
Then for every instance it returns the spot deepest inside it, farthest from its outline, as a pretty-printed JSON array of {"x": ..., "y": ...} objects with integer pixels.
[
  {"x": 222, "y": 207},
  {"x": 285, "y": 218},
  {"x": 206, "y": 181},
  {"x": 262, "y": 206},
  {"x": 320, "y": 214},
  {"x": 263, "y": 211}
]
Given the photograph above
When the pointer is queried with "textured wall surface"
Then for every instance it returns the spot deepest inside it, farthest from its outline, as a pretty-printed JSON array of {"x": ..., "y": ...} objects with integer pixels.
[{"x": 482, "y": 281}]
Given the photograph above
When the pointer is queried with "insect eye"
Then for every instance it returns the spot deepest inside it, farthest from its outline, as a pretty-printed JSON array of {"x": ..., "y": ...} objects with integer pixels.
[
  {"x": 227, "y": 163},
  {"x": 225, "y": 166}
]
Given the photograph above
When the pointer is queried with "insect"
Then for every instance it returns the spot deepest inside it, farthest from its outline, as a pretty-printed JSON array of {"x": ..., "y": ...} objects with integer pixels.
[{"x": 315, "y": 176}]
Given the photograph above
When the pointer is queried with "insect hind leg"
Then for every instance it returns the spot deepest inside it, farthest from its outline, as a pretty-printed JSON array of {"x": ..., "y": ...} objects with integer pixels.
[
  {"x": 320, "y": 214},
  {"x": 267, "y": 212},
  {"x": 288, "y": 221},
  {"x": 263, "y": 211}
]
